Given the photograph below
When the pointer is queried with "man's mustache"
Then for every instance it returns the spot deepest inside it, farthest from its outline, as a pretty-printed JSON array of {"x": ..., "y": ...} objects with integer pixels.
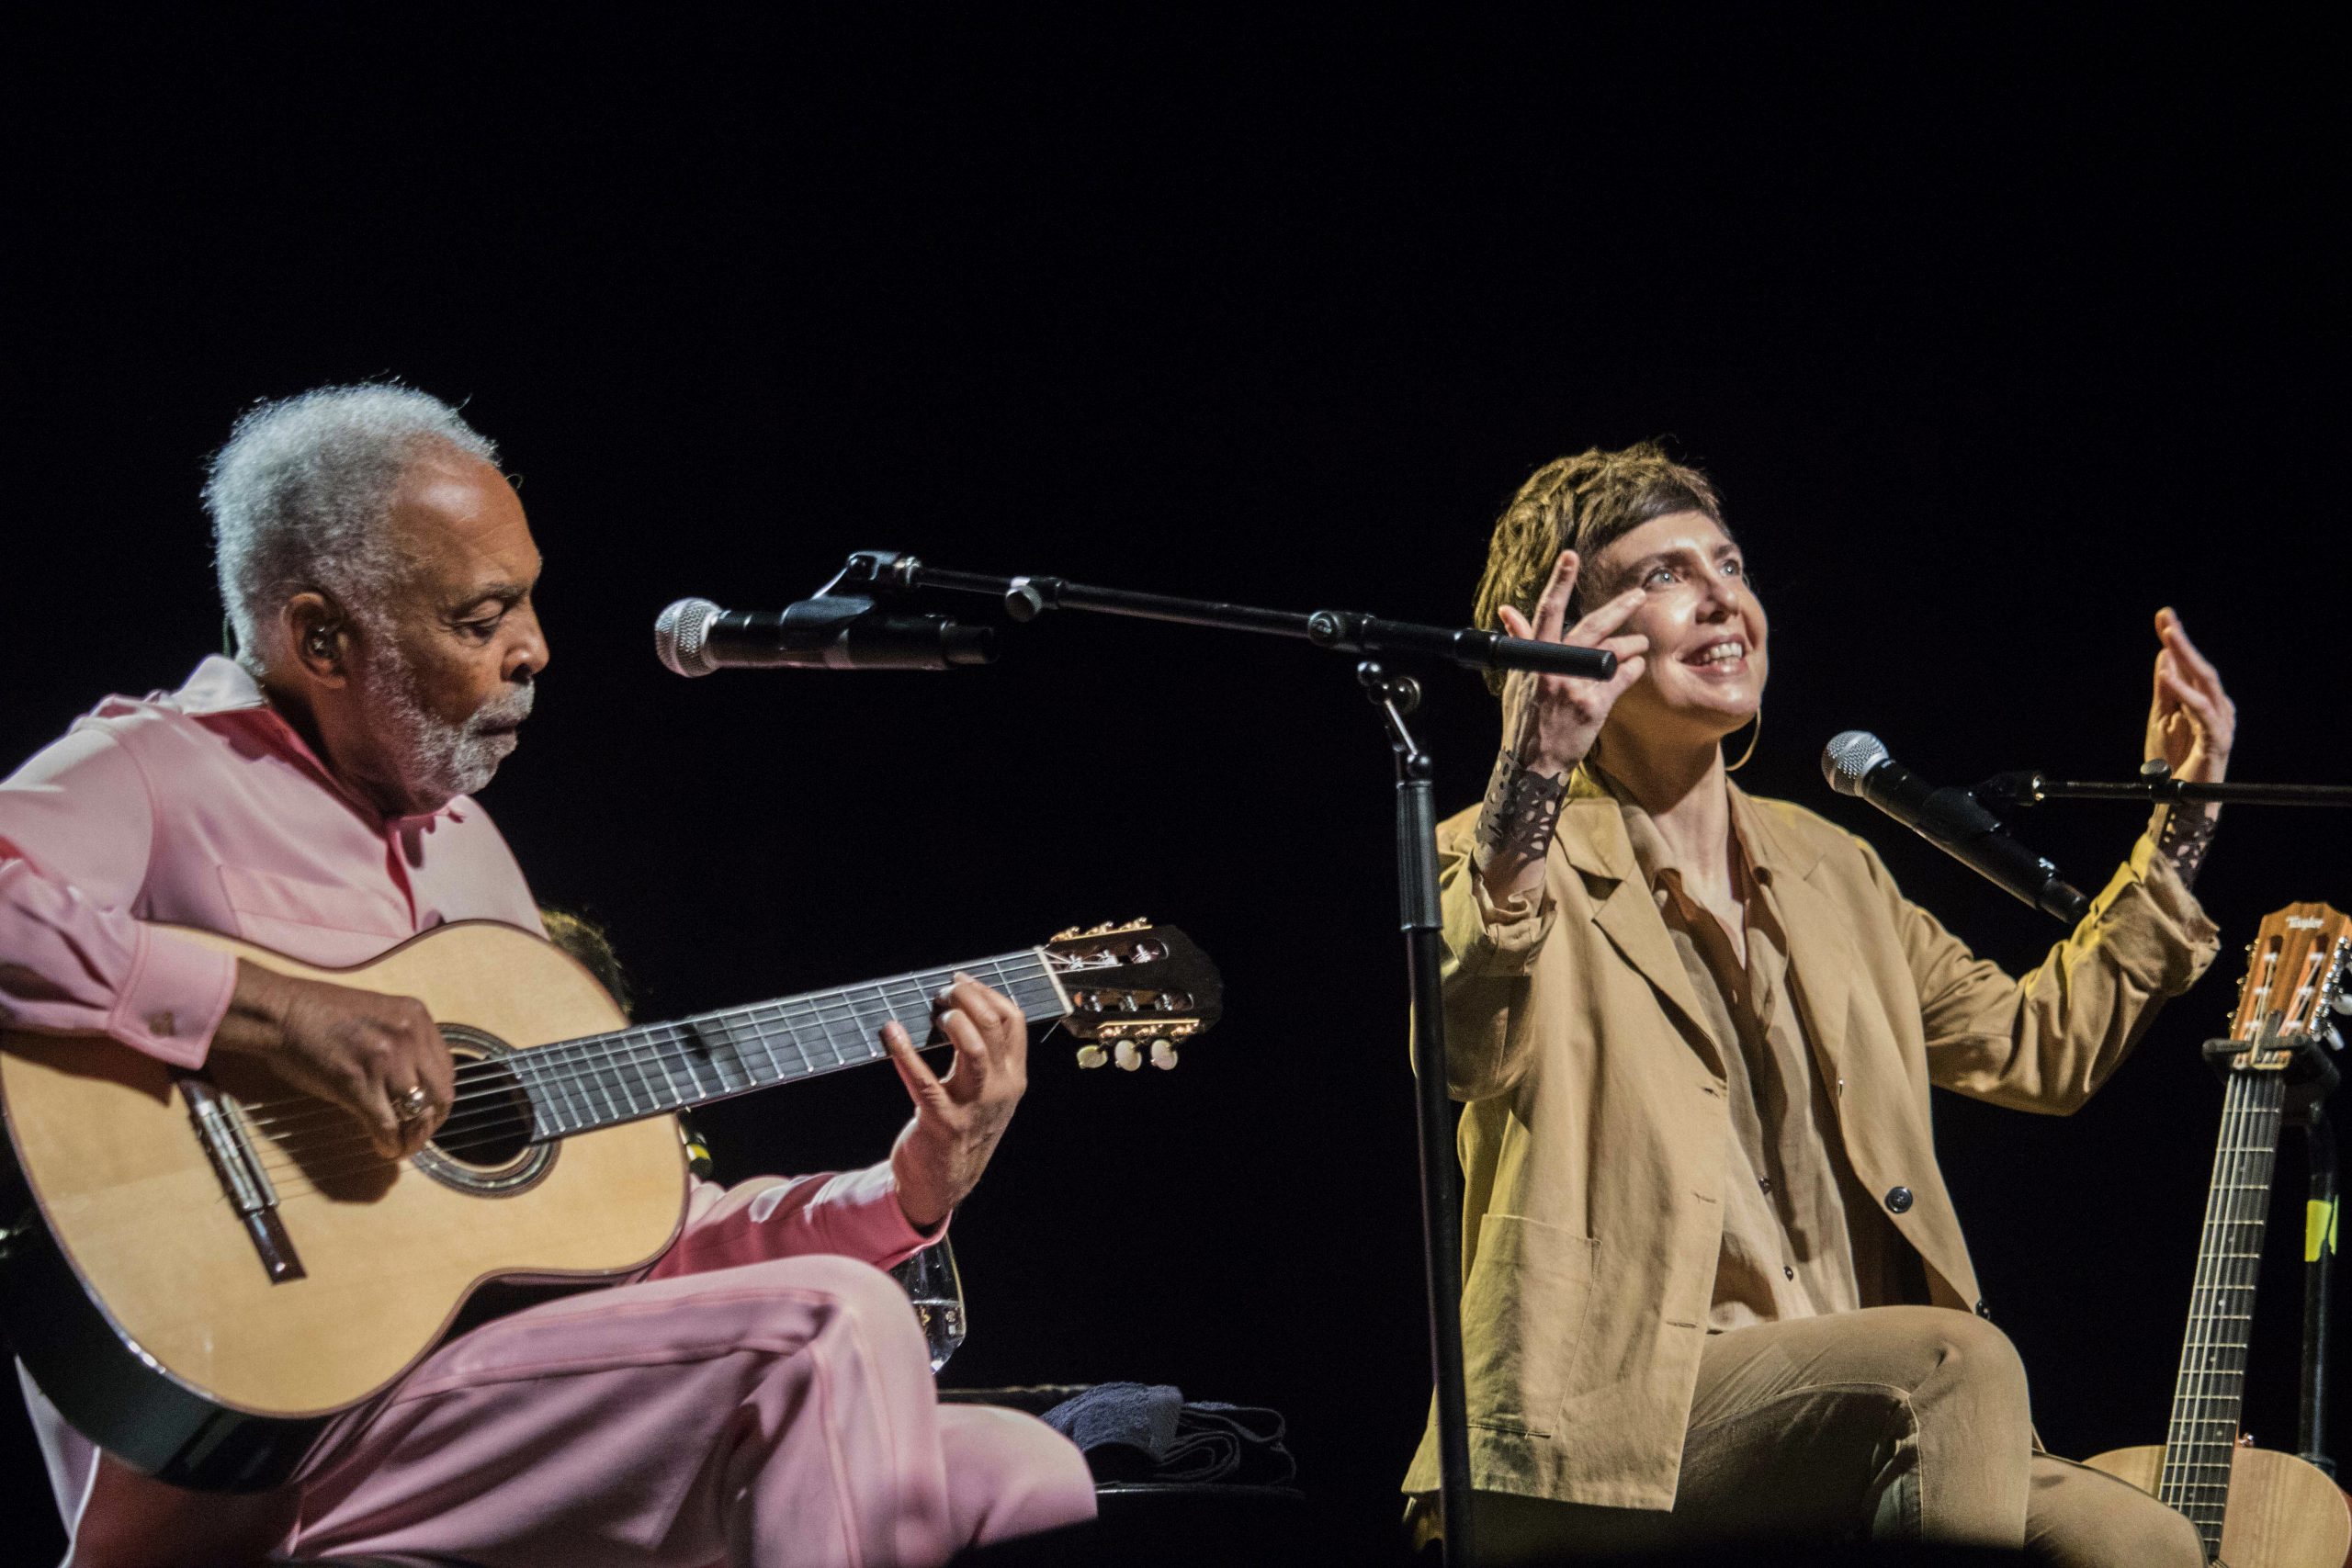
[{"x": 506, "y": 710}]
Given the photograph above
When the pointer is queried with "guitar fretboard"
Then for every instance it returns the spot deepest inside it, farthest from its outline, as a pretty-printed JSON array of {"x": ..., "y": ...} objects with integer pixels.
[
  {"x": 602, "y": 1080},
  {"x": 2201, "y": 1443}
]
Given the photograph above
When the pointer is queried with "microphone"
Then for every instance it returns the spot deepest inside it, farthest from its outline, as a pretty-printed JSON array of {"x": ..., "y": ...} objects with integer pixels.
[
  {"x": 694, "y": 637},
  {"x": 1856, "y": 763}
]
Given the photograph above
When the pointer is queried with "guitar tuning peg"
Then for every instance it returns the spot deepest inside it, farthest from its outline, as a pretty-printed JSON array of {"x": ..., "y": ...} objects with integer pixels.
[
  {"x": 1067, "y": 933},
  {"x": 1125, "y": 1054},
  {"x": 1091, "y": 1055},
  {"x": 1140, "y": 923},
  {"x": 1163, "y": 1056}
]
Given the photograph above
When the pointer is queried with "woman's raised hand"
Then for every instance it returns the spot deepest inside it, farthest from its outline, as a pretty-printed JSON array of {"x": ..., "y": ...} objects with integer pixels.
[{"x": 1549, "y": 721}]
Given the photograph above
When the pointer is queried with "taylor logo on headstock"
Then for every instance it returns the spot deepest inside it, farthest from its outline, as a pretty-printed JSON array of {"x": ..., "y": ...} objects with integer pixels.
[{"x": 2295, "y": 975}]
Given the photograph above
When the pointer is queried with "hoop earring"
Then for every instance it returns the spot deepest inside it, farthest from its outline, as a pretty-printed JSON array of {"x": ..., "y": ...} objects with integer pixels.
[{"x": 1753, "y": 736}]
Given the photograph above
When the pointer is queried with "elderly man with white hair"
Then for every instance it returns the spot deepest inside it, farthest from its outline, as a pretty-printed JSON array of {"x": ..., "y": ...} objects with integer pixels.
[{"x": 762, "y": 1393}]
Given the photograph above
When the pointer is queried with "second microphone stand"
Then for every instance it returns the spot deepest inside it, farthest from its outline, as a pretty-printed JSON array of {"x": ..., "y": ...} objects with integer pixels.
[{"x": 2155, "y": 784}]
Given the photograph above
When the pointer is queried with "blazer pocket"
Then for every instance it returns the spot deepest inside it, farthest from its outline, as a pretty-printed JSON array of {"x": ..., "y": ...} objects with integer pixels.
[
  {"x": 316, "y": 922},
  {"x": 1523, "y": 1314}
]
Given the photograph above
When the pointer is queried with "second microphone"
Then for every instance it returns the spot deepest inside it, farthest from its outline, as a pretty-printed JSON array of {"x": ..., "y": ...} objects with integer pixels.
[{"x": 694, "y": 637}]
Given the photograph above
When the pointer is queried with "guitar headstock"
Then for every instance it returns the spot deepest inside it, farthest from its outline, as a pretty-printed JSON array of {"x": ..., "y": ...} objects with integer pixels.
[
  {"x": 1136, "y": 991},
  {"x": 2295, "y": 972}
]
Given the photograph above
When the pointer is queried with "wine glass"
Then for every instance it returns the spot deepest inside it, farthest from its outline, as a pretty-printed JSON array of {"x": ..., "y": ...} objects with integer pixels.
[{"x": 933, "y": 1283}]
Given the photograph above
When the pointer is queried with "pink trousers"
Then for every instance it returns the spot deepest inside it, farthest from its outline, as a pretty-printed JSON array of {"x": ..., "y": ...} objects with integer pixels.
[{"x": 780, "y": 1413}]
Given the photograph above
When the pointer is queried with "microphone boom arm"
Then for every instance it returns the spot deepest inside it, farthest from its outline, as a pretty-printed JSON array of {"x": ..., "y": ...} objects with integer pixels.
[
  {"x": 2029, "y": 788},
  {"x": 1342, "y": 631}
]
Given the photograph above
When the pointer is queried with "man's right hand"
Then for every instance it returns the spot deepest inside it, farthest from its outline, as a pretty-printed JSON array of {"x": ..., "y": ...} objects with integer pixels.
[
  {"x": 1549, "y": 725},
  {"x": 360, "y": 1050}
]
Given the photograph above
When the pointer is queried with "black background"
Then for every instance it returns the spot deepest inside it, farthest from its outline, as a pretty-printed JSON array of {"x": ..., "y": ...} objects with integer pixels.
[{"x": 1997, "y": 335}]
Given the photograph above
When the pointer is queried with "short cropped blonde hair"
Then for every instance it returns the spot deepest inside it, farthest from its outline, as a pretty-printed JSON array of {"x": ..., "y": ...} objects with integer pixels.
[{"x": 1581, "y": 503}]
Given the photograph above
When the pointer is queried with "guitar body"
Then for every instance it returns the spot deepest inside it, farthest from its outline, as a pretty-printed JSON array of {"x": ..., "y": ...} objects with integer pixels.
[
  {"x": 141, "y": 1303},
  {"x": 2283, "y": 1512}
]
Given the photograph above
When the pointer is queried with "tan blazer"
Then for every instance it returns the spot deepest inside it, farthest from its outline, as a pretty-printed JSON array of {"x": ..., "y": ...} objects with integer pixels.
[{"x": 1594, "y": 1141}]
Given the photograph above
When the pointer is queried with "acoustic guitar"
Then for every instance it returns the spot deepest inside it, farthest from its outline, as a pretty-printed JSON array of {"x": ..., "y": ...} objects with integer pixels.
[
  {"x": 2253, "y": 1507},
  {"x": 199, "y": 1270}
]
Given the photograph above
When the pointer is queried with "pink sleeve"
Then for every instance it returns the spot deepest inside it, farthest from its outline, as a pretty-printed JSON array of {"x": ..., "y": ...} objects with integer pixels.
[
  {"x": 75, "y": 830},
  {"x": 854, "y": 1214}
]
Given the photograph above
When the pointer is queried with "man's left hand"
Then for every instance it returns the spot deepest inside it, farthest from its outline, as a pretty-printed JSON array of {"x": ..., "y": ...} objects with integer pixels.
[
  {"x": 2192, "y": 722},
  {"x": 959, "y": 1117}
]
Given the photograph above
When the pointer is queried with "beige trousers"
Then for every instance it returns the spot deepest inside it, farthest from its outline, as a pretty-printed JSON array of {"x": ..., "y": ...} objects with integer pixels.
[{"x": 1893, "y": 1423}]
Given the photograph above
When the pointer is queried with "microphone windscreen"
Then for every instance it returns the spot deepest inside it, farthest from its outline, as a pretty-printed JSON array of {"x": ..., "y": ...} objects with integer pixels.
[
  {"x": 1848, "y": 757},
  {"x": 681, "y": 637}
]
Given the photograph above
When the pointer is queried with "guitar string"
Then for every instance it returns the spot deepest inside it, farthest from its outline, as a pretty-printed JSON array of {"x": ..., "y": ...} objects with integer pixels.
[
  {"x": 2188, "y": 1437},
  {"x": 2206, "y": 1486},
  {"x": 514, "y": 1120},
  {"x": 2201, "y": 1443},
  {"x": 653, "y": 1046},
  {"x": 2182, "y": 1449},
  {"x": 817, "y": 1000},
  {"x": 514, "y": 1114},
  {"x": 2186, "y": 1429},
  {"x": 620, "y": 1069},
  {"x": 2183, "y": 1430},
  {"x": 641, "y": 1044},
  {"x": 2205, "y": 1460},
  {"x": 304, "y": 1184},
  {"x": 2192, "y": 1347},
  {"x": 656, "y": 1047}
]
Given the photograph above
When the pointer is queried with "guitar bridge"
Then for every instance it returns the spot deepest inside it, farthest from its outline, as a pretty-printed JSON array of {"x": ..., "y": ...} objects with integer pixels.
[{"x": 243, "y": 1181}]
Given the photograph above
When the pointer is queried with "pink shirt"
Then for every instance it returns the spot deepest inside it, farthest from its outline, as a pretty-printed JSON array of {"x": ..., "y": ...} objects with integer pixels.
[{"x": 204, "y": 808}]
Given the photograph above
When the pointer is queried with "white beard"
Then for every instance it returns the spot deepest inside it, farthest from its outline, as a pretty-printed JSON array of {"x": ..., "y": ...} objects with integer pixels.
[{"x": 436, "y": 760}]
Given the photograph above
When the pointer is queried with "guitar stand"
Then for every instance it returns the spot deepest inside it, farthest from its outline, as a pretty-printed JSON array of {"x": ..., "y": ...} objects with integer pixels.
[{"x": 2319, "y": 1259}]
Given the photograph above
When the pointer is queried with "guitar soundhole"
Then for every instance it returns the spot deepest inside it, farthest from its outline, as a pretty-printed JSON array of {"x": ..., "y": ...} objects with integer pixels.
[{"x": 485, "y": 1146}]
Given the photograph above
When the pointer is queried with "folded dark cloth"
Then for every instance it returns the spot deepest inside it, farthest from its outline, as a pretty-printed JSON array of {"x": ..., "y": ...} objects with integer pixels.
[{"x": 1132, "y": 1432}]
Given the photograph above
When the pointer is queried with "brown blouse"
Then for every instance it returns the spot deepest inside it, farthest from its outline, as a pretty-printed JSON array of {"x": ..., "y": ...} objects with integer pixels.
[{"x": 1800, "y": 1237}]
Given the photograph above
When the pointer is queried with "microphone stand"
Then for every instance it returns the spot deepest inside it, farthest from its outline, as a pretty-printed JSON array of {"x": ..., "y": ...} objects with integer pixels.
[
  {"x": 2155, "y": 783},
  {"x": 883, "y": 572}
]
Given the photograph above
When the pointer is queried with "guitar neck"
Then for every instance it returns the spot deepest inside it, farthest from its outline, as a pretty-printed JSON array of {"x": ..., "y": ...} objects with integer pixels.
[
  {"x": 602, "y": 1080},
  {"x": 2201, "y": 1440}
]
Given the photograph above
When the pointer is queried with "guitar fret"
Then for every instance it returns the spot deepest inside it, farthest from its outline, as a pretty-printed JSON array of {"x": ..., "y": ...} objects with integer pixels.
[
  {"x": 784, "y": 1016},
  {"x": 668, "y": 1082},
  {"x": 749, "y": 1025},
  {"x": 620, "y": 1068},
  {"x": 602, "y": 1080},
  {"x": 602, "y": 1091},
  {"x": 721, "y": 1064},
  {"x": 551, "y": 1117}
]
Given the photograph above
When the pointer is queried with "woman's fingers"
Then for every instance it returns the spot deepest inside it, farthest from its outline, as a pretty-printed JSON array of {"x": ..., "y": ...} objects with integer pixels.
[
  {"x": 2198, "y": 702},
  {"x": 1603, "y": 622},
  {"x": 1552, "y": 610},
  {"x": 1514, "y": 624},
  {"x": 2191, "y": 664}
]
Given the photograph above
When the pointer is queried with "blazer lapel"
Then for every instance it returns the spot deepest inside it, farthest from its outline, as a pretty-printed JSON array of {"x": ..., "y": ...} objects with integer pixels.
[
  {"x": 1822, "y": 962},
  {"x": 1592, "y": 833}
]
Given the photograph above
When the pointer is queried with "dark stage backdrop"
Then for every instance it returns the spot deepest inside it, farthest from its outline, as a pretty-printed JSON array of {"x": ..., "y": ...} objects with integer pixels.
[{"x": 1996, "y": 341}]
